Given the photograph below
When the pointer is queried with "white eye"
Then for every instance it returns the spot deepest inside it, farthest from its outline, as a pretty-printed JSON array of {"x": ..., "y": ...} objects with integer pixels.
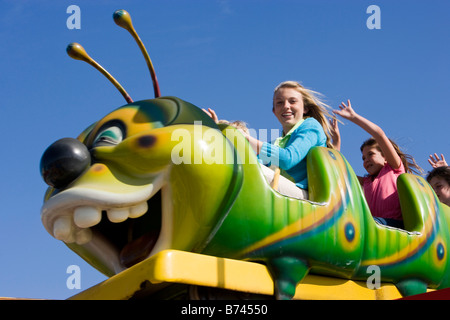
[{"x": 109, "y": 136}]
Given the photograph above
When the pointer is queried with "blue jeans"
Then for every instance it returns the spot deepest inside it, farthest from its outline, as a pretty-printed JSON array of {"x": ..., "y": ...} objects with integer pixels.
[{"x": 390, "y": 222}]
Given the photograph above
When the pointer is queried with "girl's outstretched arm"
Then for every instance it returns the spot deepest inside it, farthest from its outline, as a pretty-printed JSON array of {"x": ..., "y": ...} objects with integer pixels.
[
  {"x": 346, "y": 111},
  {"x": 254, "y": 143}
]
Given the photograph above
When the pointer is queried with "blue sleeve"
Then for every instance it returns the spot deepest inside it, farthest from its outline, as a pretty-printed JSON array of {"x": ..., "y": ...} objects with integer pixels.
[{"x": 308, "y": 135}]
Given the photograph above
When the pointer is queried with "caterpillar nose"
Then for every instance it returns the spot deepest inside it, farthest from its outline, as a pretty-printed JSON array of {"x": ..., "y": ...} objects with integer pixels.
[{"x": 64, "y": 161}]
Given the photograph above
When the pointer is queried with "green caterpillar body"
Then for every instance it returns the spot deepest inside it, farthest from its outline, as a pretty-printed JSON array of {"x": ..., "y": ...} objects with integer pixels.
[{"x": 162, "y": 176}]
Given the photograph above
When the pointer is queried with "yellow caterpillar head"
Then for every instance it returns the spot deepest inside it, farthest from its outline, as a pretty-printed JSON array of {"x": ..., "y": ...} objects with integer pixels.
[
  {"x": 119, "y": 193},
  {"x": 139, "y": 180}
]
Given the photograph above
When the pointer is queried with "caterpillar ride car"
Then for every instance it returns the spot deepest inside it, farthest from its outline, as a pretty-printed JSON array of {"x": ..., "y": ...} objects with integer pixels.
[{"x": 170, "y": 205}]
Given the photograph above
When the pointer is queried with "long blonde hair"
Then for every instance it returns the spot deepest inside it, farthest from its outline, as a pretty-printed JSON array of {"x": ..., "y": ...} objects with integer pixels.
[{"x": 317, "y": 109}]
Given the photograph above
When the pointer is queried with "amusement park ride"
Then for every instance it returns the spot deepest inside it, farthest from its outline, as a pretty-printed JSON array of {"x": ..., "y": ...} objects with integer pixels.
[{"x": 170, "y": 205}]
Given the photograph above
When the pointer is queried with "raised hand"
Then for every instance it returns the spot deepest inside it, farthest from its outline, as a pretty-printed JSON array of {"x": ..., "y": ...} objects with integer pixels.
[
  {"x": 335, "y": 134},
  {"x": 436, "y": 162},
  {"x": 212, "y": 114},
  {"x": 346, "y": 111}
]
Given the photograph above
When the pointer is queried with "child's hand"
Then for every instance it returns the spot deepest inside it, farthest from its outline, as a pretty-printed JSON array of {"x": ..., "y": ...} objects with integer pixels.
[
  {"x": 436, "y": 162},
  {"x": 346, "y": 111},
  {"x": 210, "y": 112},
  {"x": 334, "y": 128},
  {"x": 335, "y": 134}
]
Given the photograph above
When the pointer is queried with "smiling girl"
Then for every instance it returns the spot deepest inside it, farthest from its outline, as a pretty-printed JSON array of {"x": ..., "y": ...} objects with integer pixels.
[
  {"x": 303, "y": 118},
  {"x": 384, "y": 162}
]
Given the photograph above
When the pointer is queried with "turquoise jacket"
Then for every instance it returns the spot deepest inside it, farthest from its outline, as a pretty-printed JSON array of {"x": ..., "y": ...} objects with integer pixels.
[{"x": 292, "y": 158}]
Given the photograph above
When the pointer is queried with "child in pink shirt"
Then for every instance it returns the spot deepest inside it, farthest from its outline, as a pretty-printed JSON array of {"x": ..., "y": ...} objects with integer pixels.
[
  {"x": 384, "y": 162},
  {"x": 382, "y": 197}
]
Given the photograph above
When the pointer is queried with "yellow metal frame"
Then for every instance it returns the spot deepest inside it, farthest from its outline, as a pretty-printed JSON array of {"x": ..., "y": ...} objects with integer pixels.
[{"x": 172, "y": 266}]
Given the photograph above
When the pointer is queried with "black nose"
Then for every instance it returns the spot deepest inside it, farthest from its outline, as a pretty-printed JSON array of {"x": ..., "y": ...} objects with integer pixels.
[{"x": 64, "y": 161}]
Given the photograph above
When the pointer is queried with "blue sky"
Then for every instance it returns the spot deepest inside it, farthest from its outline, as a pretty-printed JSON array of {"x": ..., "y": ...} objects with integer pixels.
[{"x": 224, "y": 54}]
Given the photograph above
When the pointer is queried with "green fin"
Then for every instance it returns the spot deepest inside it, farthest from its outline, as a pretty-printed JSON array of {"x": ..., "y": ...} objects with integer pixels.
[
  {"x": 287, "y": 272},
  {"x": 411, "y": 287}
]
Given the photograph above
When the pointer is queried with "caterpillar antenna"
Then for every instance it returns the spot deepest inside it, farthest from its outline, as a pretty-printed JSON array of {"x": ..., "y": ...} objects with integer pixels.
[
  {"x": 77, "y": 52},
  {"x": 123, "y": 19}
]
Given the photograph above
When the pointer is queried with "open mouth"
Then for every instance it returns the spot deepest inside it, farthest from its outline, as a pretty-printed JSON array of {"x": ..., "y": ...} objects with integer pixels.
[
  {"x": 130, "y": 224},
  {"x": 134, "y": 238},
  {"x": 287, "y": 115}
]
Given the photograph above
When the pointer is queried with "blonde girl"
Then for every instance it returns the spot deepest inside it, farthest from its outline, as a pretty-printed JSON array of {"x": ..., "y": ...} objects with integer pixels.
[{"x": 303, "y": 117}]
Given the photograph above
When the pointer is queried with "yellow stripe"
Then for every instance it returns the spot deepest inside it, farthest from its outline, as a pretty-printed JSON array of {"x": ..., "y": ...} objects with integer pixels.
[
  {"x": 411, "y": 248},
  {"x": 309, "y": 222}
]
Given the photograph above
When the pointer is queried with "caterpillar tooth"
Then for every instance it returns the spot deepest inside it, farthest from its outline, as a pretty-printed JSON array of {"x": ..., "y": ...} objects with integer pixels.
[
  {"x": 62, "y": 228},
  {"x": 118, "y": 214},
  {"x": 70, "y": 239},
  {"x": 87, "y": 216},
  {"x": 138, "y": 210},
  {"x": 83, "y": 236}
]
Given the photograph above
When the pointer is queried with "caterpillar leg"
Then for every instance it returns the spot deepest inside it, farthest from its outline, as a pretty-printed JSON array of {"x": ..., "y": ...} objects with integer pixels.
[
  {"x": 286, "y": 273},
  {"x": 411, "y": 287}
]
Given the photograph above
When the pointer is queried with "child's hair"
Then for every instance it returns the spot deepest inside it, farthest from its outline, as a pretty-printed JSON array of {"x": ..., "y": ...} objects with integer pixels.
[
  {"x": 408, "y": 161},
  {"x": 223, "y": 122},
  {"x": 238, "y": 124},
  {"x": 443, "y": 172},
  {"x": 316, "y": 107}
]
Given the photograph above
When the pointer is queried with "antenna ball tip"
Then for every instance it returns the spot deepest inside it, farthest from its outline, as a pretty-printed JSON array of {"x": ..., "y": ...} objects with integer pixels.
[
  {"x": 123, "y": 19},
  {"x": 76, "y": 51}
]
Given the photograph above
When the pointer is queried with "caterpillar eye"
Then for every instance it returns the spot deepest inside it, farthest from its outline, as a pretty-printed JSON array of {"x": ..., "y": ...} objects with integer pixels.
[{"x": 110, "y": 136}]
